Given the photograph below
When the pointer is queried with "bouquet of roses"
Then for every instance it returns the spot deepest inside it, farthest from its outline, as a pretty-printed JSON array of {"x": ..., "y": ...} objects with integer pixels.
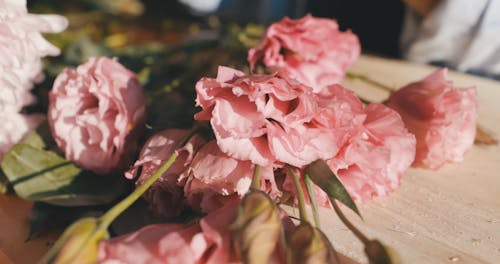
[{"x": 283, "y": 131}]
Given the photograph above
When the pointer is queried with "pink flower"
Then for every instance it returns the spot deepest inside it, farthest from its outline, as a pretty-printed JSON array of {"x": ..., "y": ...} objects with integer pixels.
[
  {"x": 442, "y": 117},
  {"x": 21, "y": 48},
  {"x": 311, "y": 50},
  {"x": 215, "y": 178},
  {"x": 166, "y": 195},
  {"x": 374, "y": 159},
  {"x": 372, "y": 163},
  {"x": 271, "y": 118},
  {"x": 209, "y": 241},
  {"x": 95, "y": 113},
  {"x": 14, "y": 127}
]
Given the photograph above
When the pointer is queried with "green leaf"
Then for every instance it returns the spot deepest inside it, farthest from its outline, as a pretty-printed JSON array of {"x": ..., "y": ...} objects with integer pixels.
[
  {"x": 323, "y": 176},
  {"x": 42, "y": 175}
]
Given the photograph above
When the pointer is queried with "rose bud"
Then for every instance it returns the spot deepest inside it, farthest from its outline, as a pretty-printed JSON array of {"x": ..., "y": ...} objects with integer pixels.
[
  {"x": 377, "y": 253},
  {"x": 78, "y": 244},
  {"x": 95, "y": 114},
  {"x": 442, "y": 117},
  {"x": 257, "y": 228},
  {"x": 309, "y": 245}
]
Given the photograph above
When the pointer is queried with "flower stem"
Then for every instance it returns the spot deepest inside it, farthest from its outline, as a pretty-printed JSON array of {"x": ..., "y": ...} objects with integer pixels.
[
  {"x": 300, "y": 194},
  {"x": 312, "y": 198},
  {"x": 256, "y": 178},
  {"x": 364, "y": 78},
  {"x": 348, "y": 224},
  {"x": 116, "y": 210}
]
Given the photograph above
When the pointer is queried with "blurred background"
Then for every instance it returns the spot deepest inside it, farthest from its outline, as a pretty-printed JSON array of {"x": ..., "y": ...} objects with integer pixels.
[{"x": 460, "y": 34}]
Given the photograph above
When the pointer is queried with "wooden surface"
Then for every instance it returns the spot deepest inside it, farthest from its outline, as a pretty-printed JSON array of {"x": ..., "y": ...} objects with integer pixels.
[{"x": 447, "y": 216}]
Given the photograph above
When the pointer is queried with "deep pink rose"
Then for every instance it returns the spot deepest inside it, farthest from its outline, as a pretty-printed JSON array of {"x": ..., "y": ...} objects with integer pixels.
[
  {"x": 215, "y": 178},
  {"x": 166, "y": 195},
  {"x": 442, "y": 117},
  {"x": 273, "y": 119},
  {"x": 312, "y": 50},
  {"x": 373, "y": 161},
  {"x": 14, "y": 127},
  {"x": 209, "y": 241},
  {"x": 95, "y": 113},
  {"x": 21, "y": 48}
]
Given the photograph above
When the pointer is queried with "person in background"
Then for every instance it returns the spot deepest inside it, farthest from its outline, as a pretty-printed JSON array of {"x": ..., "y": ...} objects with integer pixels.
[{"x": 460, "y": 34}]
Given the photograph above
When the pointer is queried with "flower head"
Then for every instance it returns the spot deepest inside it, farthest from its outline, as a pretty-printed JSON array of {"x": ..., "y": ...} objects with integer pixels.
[
  {"x": 312, "y": 50},
  {"x": 274, "y": 119},
  {"x": 374, "y": 160},
  {"x": 442, "y": 117},
  {"x": 95, "y": 114}
]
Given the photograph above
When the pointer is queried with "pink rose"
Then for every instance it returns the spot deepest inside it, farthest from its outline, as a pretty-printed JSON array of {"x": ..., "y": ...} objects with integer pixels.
[
  {"x": 95, "y": 113},
  {"x": 166, "y": 195},
  {"x": 206, "y": 242},
  {"x": 442, "y": 117},
  {"x": 21, "y": 48},
  {"x": 311, "y": 50},
  {"x": 271, "y": 118},
  {"x": 215, "y": 178},
  {"x": 374, "y": 159},
  {"x": 209, "y": 241},
  {"x": 14, "y": 127}
]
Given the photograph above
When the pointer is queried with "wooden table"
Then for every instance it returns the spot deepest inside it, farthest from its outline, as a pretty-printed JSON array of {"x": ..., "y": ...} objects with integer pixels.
[{"x": 447, "y": 216}]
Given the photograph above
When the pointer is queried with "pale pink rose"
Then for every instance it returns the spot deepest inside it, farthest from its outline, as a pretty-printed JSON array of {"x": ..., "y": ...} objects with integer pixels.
[
  {"x": 209, "y": 241},
  {"x": 273, "y": 119},
  {"x": 95, "y": 113},
  {"x": 166, "y": 195},
  {"x": 312, "y": 50},
  {"x": 373, "y": 161},
  {"x": 214, "y": 178},
  {"x": 442, "y": 117},
  {"x": 14, "y": 127},
  {"x": 21, "y": 48}
]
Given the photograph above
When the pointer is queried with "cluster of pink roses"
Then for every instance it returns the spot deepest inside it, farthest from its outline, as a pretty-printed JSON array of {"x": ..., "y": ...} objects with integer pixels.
[
  {"x": 21, "y": 48},
  {"x": 294, "y": 116}
]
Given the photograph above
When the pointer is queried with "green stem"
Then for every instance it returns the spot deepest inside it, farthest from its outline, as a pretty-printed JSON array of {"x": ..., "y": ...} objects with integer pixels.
[
  {"x": 300, "y": 194},
  {"x": 347, "y": 223},
  {"x": 116, "y": 210},
  {"x": 312, "y": 199},
  {"x": 256, "y": 178},
  {"x": 366, "y": 79}
]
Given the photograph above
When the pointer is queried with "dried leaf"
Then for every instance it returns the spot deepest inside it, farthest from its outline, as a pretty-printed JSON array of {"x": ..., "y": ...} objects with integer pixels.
[{"x": 484, "y": 138}]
